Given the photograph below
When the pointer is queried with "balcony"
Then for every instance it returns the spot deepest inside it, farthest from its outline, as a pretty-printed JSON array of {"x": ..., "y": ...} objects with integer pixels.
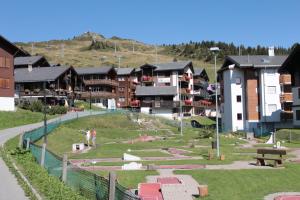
[
  {"x": 185, "y": 78},
  {"x": 286, "y": 115},
  {"x": 38, "y": 93},
  {"x": 159, "y": 104},
  {"x": 101, "y": 82},
  {"x": 100, "y": 94},
  {"x": 201, "y": 93},
  {"x": 203, "y": 103},
  {"x": 286, "y": 97},
  {"x": 147, "y": 79},
  {"x": 135, "y": 103},
  {"x": 185, "y": 91},
  {"x": 187, "y": 103},
  {"x": 285, "y": 79}
]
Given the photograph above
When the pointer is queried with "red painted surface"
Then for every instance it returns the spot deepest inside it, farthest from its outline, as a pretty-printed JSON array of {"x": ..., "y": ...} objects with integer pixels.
[
  {"x": 168, "y": 180},
  {"x": 150, "y": 191},
  {"x": 288, "y": 197}
]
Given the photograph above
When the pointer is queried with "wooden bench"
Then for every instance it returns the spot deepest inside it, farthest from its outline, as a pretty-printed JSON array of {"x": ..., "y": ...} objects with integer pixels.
[{"x": 261, "y": 158}]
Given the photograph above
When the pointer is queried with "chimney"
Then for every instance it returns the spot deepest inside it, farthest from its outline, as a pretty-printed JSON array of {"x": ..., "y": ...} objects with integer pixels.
[
  {"x": 271, "y": 51},
  {"x": 30, "y": 68}
]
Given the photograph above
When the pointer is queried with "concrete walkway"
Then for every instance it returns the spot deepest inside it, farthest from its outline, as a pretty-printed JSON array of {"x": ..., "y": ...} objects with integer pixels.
[
  {"x": 9, "y": 187},
  {"x": 185, "y": 190}
]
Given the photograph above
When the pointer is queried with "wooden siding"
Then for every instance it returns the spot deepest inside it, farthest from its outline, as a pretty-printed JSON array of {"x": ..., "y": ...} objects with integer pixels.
[{"x": 7, "y": 74}]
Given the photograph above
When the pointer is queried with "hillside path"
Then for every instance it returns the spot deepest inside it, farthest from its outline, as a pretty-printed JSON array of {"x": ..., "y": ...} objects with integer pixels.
[{"x": 9, "y": 187}]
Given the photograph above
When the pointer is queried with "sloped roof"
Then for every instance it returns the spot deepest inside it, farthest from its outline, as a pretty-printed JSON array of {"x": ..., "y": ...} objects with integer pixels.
[
  {"x": 14, "y": 50},
  {"x": 93, "y": 70},
  {"x": 155, "y": 91},
  {"x": 198, "y": 71},
  {"x": 291, "y": 64},
  {"x": 257, "y": 61},
  {"x": 39, "y": 74},
  {"x": 29, "y": 60},
  {"x": 124, "y": 71},
  {"x": 171, "y": 66}
]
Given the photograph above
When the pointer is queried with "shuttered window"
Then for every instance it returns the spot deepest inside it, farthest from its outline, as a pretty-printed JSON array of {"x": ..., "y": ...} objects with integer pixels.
[
  {"x": 4, "y": 83},
  {"x": 5, "y": 62}
]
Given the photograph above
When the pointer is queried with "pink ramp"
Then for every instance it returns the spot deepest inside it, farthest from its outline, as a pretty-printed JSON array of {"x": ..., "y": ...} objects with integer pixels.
[{"x": 150, "y": 191}]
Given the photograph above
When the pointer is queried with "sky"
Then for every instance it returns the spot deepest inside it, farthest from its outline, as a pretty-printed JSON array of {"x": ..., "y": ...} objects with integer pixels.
[{"x": 248, "y": 22}]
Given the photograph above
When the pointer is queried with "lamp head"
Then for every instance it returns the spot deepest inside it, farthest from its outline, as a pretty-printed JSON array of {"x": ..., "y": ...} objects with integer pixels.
[{"x": 214, "y": 49}]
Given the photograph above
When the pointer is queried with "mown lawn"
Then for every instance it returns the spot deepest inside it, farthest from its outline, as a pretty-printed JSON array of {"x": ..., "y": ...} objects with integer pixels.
[
  {"x": 20, "y": 117},
  {"x": 247, "y": 184},
  {"x": 129, "y": 179}
]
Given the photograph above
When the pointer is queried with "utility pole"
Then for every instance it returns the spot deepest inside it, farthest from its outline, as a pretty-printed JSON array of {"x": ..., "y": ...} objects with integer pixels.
[
  {"x": 156, "y": 58},
  {"x": 32, "y": 48},
  {"x": 115, "y": 47},
  {"x": 62, "y": 51},
  {"x": 132, "y": 46}
]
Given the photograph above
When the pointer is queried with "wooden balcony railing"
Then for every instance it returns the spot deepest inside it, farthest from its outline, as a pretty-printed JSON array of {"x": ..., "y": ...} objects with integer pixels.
[
  {"x": 39, "y": 92},
  {"x": 86, "y": 95},
  {"x": 203, "y": 103},
  {"x": 286, "y": 97},
  {"x": 285, "y": 79},
  {"x": 286, "y": 115},
  {"x": 101, "y": 82},
  {"x": 185, "y": 78}
]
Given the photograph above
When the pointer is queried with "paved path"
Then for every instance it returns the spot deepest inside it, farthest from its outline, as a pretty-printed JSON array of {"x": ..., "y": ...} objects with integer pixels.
[
  {"x": 237, "y": 165},
  {"x": 9, "y": 187},
  {"x": 185, "y": 190},
  {"x": 273, "y": 196}
]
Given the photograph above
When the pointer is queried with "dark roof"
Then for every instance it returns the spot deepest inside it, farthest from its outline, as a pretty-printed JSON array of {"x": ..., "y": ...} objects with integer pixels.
[
  {"x": 257, "y": 61},
  {"x": 29, "y": 60},
  {"x": 172, "y": 66},
  {"x": 155, "y": 91},
  {"x": 39, "y": 74},
  {"x": 201, "y": 72},
  {"x": 93, "y": 70},
  {"x": 13, "y": 49},
  {"x": 292, "y": 62},
  {"x": 124, "y": 71}
]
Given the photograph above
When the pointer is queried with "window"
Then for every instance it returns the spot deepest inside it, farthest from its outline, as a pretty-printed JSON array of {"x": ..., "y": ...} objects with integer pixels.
[
  {"x": 2, "y": 61},
  {"x": 271, "y": 90},
  {"x": 238, "y": 98},
  {"x": 121, "y": 79},
  {"x": 238, "y": 81},
  {"x": 297, "y": 115},
  {"x": 239, "y": 116},
  {"x": 4, "y": 83},
  {"x": 121, "y": 99},
  {"x": 272, "y": 108},
  {"x": 298, "y": 93}
]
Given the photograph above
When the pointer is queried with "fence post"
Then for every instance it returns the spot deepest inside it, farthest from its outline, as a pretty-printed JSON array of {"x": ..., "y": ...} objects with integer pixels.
[
  {"x": 112, "y": 185},
  {"x": 21, "y": 140},
  {"x": 64, "y": 168},
  {"x": 27, "y": 143},
  {"x": 43, "y": 154}
]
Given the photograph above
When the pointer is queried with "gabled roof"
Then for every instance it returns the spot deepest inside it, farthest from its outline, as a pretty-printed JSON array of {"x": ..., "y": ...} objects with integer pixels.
[
  {"x": 39, "y": 74},
  {"x": 29, "y": 60},
  {"x": 257, "y": 61},
  {"x": 172, "y": 66},
  {"x": 201, "y": 72},
  {"x": 125, "y": 71},
  {"x": 93, "y": 70},
  {"x": 155, "y": 91},
  {"x": 12, "y": 48},
  {"x": 292, "y": 62}
]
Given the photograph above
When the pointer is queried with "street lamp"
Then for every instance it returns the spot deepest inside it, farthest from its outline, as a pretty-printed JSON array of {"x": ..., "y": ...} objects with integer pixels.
[
  {"x": 215, "y": 51},
  {"x": 45, "y": 114},
  {"x": 90, "y": 88},
  {"x": 180, "y": 105}
]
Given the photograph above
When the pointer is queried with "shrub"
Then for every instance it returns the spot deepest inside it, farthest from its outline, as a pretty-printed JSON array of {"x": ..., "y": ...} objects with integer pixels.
[
  {"x": 36, "y": 106},
  {"x": 57, "y": 110}
]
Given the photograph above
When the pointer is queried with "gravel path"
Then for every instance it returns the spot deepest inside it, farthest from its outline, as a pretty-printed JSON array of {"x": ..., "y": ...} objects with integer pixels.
[{"x": 9, "y": 187}]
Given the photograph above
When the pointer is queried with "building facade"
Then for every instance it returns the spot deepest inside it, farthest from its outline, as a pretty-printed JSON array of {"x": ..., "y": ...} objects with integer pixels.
[
  {"x": 291, "y": 82},
  {"x": 127, "y": 80},
  {"x": 98, "y": 85},
  {"x": 250, "y": 93},
  {"x": 7, "y": 85}
]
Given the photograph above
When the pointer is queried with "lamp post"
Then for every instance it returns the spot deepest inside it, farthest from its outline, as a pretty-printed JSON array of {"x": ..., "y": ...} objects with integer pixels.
[
  {"x": 45, "y": 114},
  {"x": 90, "y": 88},
  {"x": 180, "y": 105},
  {"x": 215, "y": 51}
]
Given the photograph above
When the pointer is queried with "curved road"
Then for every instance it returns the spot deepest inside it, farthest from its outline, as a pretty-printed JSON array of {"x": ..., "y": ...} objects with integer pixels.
[{"x": 9, "y": 187}]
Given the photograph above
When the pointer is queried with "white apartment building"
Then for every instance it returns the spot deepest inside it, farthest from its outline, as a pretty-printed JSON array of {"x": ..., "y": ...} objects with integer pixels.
[{"x": 250, "y": 93}]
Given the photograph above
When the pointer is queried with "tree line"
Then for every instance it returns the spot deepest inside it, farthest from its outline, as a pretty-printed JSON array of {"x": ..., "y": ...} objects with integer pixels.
[{"x": 200, "y": 50}]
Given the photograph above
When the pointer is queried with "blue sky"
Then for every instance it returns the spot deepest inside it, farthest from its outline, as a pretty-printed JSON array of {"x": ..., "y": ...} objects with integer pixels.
[{"x": 265, "y": 22}]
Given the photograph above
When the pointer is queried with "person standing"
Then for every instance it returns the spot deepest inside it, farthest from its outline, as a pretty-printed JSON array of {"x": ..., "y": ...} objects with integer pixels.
[
  {"x": 87, "y": 137},
  {"x": 94, "y": 133}
]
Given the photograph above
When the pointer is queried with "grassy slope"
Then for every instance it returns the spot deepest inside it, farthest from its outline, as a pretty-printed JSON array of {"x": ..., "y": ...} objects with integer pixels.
[
  {"x": 75, "y": 55},
  {"x": 18, "y": 118},
  {"x": 247, "y": 184}
]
